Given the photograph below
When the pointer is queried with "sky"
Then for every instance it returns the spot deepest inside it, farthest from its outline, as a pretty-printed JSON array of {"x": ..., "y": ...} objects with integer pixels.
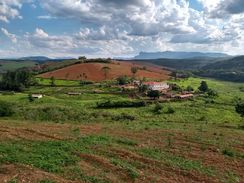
[{"x": 119, "y": 28}]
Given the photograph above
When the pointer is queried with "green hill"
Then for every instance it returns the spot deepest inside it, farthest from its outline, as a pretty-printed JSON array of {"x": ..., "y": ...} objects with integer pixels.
[
  {"x": 229, "y": 69},
  {"x": 233, "y": 64},
  {"x": 10, "y": 65}
]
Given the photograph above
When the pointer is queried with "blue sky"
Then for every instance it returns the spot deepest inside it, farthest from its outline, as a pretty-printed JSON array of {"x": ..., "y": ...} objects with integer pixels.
[{"x": 108, "y": 28}]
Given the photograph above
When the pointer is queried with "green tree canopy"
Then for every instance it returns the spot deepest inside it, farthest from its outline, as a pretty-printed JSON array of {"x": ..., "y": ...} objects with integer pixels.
[
  {"x": 17, "y": 80},
  {"x": 153, "y": 94},
  {"x": 203, "y": 86},
  {"x": 240, "y": 108}
]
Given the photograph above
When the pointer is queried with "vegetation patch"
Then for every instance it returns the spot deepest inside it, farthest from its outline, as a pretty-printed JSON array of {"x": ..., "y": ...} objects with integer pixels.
[
  {"x": 177, "y": 161},
  {"x": 6, "y": 109},
  {"x": 120, "y": 104}
]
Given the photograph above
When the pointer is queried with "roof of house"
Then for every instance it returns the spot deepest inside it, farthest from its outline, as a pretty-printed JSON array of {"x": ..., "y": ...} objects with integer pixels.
[
  {"x": 37, "y": 95},
  {"x": 153, "y": 83},
  {"x": 186, "y": 95}
]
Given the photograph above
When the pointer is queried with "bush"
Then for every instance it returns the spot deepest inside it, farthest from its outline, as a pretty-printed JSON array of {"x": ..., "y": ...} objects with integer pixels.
[
  {"x": 85, "y": 82},
  {"x": 176, "y": 87},
  {"x": 6, "y": 109},
  {"x": 53, "y": 113},
  {"x": 212, "y": 93},
  {"x": 8, "y": 93},
  {"x": 122, "y": 80},
  {"x": 203, "y": 86},
  {"x": 189, "y": 89},
  {"x": 228, "y": 152},
  {"x": 153, "y": 94},
  {"x": 241, "y": 89},
  {"x": 120, "y": 104},
  {"x": 31, "y": 99},
  {"x": 240, "y": 108},
  {"x": 124, "y": 117},
  {"x": 157, "y": 108},
  {"x": 170, "y": 110}
]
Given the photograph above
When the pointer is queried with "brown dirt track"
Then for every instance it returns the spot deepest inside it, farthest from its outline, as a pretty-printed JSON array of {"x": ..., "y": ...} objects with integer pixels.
[{"x": 94, "y": 71}]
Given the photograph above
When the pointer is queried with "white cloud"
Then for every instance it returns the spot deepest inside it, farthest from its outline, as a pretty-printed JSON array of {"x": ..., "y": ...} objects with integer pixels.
[
  {"x": 143, "y": 18},
  {"x": 43, "y": 40},
  {"x": 125, "y": 27},
  {"x": 12, "y": 37},
  {"x": 9, "y": 9}
]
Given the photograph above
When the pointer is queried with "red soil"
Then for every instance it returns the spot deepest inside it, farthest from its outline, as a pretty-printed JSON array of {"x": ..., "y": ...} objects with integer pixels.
[{"x": 94, "y": 72}]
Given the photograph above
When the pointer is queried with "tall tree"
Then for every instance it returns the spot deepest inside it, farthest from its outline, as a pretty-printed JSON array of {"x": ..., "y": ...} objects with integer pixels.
[
  {"x": 17, "y": 80},
  {"x": 203, "y": 86},
  {"x": 52, "y": 81},
  {"x": 240, "y": 108}
]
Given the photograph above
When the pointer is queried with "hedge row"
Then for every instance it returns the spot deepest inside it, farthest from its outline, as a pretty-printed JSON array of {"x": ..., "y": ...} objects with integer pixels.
[{"x": 120, "y": 104}]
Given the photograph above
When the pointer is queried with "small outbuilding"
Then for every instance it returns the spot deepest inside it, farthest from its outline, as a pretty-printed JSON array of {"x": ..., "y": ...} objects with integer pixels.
[
  {"x": 37, "y": 96},
  {"x": 185, "y": 96},
  {"x": 157, "y": 86}
]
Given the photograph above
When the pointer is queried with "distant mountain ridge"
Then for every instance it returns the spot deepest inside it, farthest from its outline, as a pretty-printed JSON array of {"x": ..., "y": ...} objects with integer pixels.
[
  {"x": 35, "y": 58},
  {"x": 44, "y": 59},
  {"x": 178, "y": 55}
]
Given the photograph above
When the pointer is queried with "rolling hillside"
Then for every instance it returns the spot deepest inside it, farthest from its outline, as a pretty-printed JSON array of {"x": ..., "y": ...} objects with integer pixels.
[
  {"x": 227, "y": 69},
  {"x": 10, "y": 65},
  {"x": 182, "y": 64},
  {"x": 94, "y": 72},
  {"x": 178, "y": 55},
  {"x": 233, "y": 64}
]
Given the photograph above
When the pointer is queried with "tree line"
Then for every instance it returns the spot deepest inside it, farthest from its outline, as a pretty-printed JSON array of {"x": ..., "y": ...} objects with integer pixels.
[{"x": 17, "y": 80}]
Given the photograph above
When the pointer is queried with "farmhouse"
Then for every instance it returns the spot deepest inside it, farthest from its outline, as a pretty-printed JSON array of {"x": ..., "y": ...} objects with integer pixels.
[
  {"x": 159, "y": 86},
  {"x": 37, "y": 96}
]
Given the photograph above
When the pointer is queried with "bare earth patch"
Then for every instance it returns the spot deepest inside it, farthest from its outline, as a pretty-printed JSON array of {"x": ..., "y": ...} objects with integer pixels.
[
  {"x": 43, "y": 131},
  {"x": 27, "y": 174}
]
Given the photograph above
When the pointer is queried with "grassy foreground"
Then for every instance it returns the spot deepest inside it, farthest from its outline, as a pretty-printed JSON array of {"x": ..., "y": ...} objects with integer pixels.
[{"x": 63, "y": 138}]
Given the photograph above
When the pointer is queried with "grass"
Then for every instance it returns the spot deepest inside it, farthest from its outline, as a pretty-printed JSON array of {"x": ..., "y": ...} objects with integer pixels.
[
  {"x": 13, "y": 65},
  {"x": 50, "y": 156},
  {"x": 205, "y": 126},
  {"x": 58, "y": 82},
  {"x": 177, "y": 161}
]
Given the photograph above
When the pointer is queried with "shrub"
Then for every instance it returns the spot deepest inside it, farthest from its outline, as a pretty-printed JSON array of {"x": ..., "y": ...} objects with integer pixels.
[
  {"x": 153, "y": 94},
  {"x": 240, "y": 108},
  {"x": 242, "y": 88},
  {"x": 203, "y": 86},
  {"x": 157, "y": 108},
  {"x": 8, "y": 93},
  {"x": 122, "y": 80},
  {"x": 31, "y": 99},
  {"x": 85, "y": 82},
  {"x": 120, "y": 104},
  {"x": 189, "y": 88},
  {"x": 170, "y": 110},
  {"x": 176, "y": 87},
  {"x": 209, "y": 101},
  {"x": 212, "y": 93},
  {"x": 228, "y": 152},
  {"x": 53, "y": 113},
  {"x": 143, "y": 88},
  {"x": 124, "y": 117},
  {"x": 6, "y": 109}
]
